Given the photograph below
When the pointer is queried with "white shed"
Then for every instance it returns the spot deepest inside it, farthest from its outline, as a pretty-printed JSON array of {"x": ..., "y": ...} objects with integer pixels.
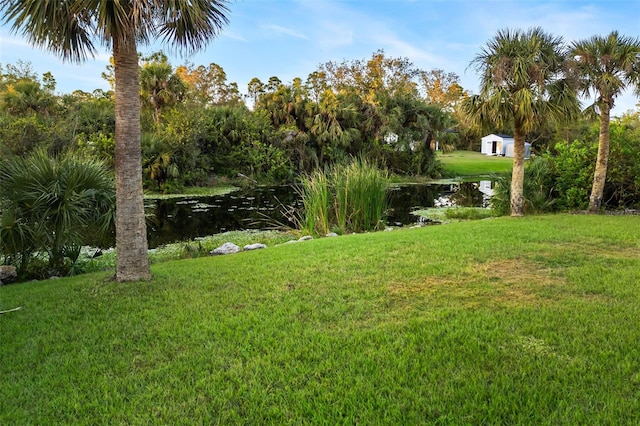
[
  {"x": 501, "y": 145},
  {"x": 492, "y": 144}
]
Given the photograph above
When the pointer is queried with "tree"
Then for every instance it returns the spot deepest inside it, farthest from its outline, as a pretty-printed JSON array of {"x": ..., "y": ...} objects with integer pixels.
[
  {"x": 160, "y": 86},
  {"x": 255, "y": 88},
  {"x": 316, "y": 84},
  {"x": 442, "y": 88},
  {"x": 377, "y": 77},
  {"x": 209, "y": 86},
  {"x": 522, "y": 83},
  {"x": 26, "y": 97},
  {"x": 69, "y": 30},
  {"x": 605, "y": 66}
]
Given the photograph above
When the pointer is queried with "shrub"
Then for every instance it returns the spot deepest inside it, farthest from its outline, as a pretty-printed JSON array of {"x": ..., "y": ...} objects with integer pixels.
[
  {"x": 574, "y": 165},
  {"x": 53, "y": 205},
  {"x": 539, "y": 191}
]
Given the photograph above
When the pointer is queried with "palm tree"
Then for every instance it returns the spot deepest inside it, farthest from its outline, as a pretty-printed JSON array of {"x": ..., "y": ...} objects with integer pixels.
[
  {"x": 521, "y": 84},
  {"x": 69, "y": 29},
  {"x": 160, "y": 86},
  {"x": 605, "y": 66},
  {"x": 27, "y": 97}
]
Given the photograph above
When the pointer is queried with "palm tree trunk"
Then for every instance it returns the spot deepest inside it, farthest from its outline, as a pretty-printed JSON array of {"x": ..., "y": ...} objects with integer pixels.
[
  {"x": 131, "y": 231},
  {"x": 517, "y": 177},
  {"x": 600, "y": 174}
]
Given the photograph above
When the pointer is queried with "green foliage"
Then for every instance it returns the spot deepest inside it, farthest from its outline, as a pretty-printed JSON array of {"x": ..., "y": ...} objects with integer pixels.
[
  {"x": 202, "y": 130},
  {"x": 89, "y": 113},
  {"x": 540, "y": 195},
  {"x": 346, "y": 198},
  {"x": 21, "y": 135},
  {"x": 315, "y": 193},
  {"x": 53, "y": 205},
  {"x": 99, "y": 145},
  {"x": 158, "y": 163},
  {"x": 26, "y": 97},
  {"x": 575, "y": 163},
  {"x": 562, "y": 180},
  {"x": 160, "y": 86}
]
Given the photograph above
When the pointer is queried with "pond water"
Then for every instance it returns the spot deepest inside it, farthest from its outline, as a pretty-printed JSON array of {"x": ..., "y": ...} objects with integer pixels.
[{"x": 180, "y": 219}]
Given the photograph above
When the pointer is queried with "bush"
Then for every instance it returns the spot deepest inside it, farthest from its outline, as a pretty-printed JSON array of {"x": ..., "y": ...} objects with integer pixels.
[
  {"x": 52, "y": 206},
  {"x": 574, "y": 165},
  {"x": 540, "y": 195}
]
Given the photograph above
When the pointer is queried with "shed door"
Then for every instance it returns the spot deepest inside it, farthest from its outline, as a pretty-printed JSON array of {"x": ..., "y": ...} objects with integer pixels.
[{"x": 494, "y": 147}]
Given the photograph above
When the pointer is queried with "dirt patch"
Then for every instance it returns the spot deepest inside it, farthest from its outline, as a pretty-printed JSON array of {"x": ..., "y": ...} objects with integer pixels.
[
  {"x": 504, "y": 282},
  {"x": 597, "y": 249}
]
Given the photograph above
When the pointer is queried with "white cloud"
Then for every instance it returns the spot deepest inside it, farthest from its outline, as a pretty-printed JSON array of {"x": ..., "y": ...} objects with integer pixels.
[
  {"x": 285, "y": 31},
  {"x": 232, "y": 35},
  {"x": 332, "y": 35}
]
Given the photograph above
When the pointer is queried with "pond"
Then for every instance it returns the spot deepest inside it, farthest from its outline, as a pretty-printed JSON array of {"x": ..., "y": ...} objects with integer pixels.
[{"x": 180, "y": 219}]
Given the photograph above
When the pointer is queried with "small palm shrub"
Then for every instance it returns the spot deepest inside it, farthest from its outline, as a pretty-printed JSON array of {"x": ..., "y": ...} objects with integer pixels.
[
  {"x": 50, "y": 207},
  {"x": 344, "y": 198},
  {"x": 539, "y": 191}
]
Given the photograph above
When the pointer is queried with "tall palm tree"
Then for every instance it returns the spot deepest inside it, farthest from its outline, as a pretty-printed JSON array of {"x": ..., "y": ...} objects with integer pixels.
[
  {"x": 605, "y": 67},
  {"x": 522, "y": 83},
  {"x": 70, "y": 29}
]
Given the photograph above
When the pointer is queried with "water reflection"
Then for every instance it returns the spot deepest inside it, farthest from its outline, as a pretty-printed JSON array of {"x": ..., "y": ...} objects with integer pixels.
[{"x": 174, "y": 220}]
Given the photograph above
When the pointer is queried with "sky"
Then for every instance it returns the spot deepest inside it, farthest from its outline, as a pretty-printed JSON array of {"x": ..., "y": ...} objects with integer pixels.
[{"x": 291, "y": 38}]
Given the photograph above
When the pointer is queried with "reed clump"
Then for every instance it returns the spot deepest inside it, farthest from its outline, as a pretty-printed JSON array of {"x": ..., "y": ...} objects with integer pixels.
[{"x": 344, "y": 198}]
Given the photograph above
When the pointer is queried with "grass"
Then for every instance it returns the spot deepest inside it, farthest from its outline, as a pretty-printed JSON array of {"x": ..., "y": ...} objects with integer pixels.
[
  {"x": 501, "y": 321},
  {"x": 471, "y": 163},
  {"x": 187, "y": 249},
  {"x": 194, "y": 191},
  {"x": 454, "y": 214},
  {"x": 345, "y": 198}
]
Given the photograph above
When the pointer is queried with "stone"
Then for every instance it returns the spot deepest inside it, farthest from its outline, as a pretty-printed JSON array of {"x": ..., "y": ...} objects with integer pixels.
[
  {"x": 226, "y": 248},
  {"x": 331, "y": 234},
  {"x": 7, "y": 273},
  {"x": 255, "y": 246},
  {"x": 305, "y": 238}
]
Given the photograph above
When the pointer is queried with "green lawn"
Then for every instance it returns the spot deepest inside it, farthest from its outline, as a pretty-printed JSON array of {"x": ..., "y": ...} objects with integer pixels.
[
  {"x": 471, "y": 163},
  {"x": 500, "y": 321}
]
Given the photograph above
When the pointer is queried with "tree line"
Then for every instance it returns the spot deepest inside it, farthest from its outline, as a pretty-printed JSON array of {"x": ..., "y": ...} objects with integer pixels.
[{"x": 196, "y": 125}]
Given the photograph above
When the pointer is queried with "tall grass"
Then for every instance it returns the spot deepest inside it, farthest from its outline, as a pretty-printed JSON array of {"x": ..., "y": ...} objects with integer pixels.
[
  {"x": 314, "y": 190},
  {"x": 344, "y": 198}
]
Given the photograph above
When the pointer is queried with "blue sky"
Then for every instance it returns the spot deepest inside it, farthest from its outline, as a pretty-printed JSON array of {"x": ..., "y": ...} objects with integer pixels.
[{"x": 290, "y": 38}]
